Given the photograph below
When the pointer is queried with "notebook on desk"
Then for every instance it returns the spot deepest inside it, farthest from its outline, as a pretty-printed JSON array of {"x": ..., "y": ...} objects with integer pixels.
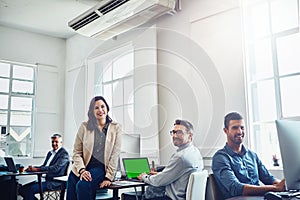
[
  {"x": 135, "y": 166},
  {"x": 10, "y": 164}
]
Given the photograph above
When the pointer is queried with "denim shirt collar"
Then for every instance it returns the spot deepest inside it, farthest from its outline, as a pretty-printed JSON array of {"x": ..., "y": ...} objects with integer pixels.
[{"x": 232, "y": 153}]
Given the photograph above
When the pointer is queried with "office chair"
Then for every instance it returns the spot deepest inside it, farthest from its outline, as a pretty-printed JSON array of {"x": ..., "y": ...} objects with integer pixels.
[
  {"x": 195, "y": 188},
  {"x": 197, "y": 185},
  {"x": 58, "y": 194},
  {"x": 213, "y": 191}
]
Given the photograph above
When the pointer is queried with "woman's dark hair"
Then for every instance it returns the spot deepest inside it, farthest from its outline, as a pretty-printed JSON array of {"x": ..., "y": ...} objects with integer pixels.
[{"x": 92, "y": 121}]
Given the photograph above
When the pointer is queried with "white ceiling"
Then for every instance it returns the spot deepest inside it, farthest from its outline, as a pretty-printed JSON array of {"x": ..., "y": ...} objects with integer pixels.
[{"x": 48, "y": 17}]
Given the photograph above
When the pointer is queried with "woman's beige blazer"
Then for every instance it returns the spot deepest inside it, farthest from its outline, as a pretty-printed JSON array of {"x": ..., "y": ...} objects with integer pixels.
[{"x": 83, "y": 148}]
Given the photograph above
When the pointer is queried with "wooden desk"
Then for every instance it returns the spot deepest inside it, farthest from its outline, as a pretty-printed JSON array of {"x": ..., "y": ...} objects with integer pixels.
[
  {"x": 115, "y": 186},
  {"x": 14, "y": 181}
]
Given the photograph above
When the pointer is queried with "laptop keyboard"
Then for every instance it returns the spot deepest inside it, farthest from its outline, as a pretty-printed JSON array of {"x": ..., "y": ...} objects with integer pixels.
[
  {"x": 125, "y": 183},
  {"x": 288, "y": 194},
  {"x": 134, "y": 179}
]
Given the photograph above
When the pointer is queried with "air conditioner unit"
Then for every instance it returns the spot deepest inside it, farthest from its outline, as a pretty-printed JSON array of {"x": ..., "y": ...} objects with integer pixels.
[{"x": 112, "y": 17}]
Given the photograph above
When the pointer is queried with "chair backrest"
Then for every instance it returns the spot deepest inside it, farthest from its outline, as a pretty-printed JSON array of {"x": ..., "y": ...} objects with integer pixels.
[
  {"x": 213, "y": 191},
  {"x": 58, "y": 194},
  {"x": 196, "y": 186},
  {"x": 67, "y": 169}
]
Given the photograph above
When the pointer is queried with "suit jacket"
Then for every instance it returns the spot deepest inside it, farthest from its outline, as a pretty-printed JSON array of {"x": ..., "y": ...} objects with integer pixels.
[
  {"x": 83, "y": 148},
  {"x": 57, "y": 166}
]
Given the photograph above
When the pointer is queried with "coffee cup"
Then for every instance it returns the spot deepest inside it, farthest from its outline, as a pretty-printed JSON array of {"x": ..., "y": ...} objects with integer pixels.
[{"x": 21, "y": 169}]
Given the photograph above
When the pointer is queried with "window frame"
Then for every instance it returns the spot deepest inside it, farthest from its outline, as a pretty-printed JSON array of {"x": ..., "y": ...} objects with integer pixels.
[
  {"x": 9, "y": 139},
  {"x": 249, "y": 54},
  {"x": 107, "y": 60}
]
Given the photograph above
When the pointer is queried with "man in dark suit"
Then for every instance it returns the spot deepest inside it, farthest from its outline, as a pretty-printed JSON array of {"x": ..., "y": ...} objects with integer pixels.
[{"x": 55, "y": 164}]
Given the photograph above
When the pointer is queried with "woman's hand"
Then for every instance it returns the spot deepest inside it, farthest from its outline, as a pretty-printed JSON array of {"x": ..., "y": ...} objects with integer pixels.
[
  {"x": 105, "y": 183},
  {"x": 86, "y": 175}
]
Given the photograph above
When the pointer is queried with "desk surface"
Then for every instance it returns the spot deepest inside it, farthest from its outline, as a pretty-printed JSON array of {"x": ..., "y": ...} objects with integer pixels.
[
  {"x": 117, "y": 185},
  {"x": 126, "y": 184},
  {"x": 255, "y": 198},
  {"x": 247, "y": 198},
  {"x": 4, "y": 173},
  {"x": 13, "y": 176}
]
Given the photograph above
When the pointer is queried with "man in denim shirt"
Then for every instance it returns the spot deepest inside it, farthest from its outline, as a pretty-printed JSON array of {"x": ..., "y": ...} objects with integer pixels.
[{"x": 238, "y": 170}]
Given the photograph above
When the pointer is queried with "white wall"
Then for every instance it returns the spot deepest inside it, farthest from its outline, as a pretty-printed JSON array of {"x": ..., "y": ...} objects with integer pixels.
[
  {"x": 207, "y": 37},
  {"x": 78, "y": 48},
  {"x": 49, "y": 52},
  {"x": 200, "y": 72}
]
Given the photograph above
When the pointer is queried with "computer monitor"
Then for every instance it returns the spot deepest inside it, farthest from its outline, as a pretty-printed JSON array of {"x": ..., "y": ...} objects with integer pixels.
[
  {"x": 130, "y": 148},
  {"x": 131, "y": 145},
  {"x": 289, "y": 142}
]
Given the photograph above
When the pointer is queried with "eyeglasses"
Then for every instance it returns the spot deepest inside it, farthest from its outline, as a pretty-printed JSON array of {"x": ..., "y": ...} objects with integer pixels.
[{"x": 178, "y": 132}]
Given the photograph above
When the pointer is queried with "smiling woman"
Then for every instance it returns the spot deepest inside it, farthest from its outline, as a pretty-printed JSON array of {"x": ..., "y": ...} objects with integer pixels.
[{"x": 96, "y": 152}]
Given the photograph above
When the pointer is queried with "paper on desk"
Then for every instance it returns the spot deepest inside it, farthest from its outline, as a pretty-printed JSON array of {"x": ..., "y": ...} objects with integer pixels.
[{"x": 124, "y": 182}]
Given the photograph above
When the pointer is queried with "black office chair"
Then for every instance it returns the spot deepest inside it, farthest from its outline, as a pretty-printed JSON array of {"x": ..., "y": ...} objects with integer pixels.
[
  {"x": 137, "y": 195},
  {"x": 58, "y": 194},
  {"x": 213, "y": 191}
]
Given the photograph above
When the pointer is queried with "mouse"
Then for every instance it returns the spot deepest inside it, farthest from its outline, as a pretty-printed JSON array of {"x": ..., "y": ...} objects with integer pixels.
[{"x": 272, "y": 196}]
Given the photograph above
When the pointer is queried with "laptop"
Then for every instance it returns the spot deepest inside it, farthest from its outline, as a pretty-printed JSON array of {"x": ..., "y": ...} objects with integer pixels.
[
  {"x": 10, "y": 164},
  {"x": 135, "y": 166}
]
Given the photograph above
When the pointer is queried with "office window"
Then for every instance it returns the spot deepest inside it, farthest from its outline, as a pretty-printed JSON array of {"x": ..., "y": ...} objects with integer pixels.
[
  {"x": 125, "y": 73},
  {"x": 272, "y": 49},
  {"x": 113, "y": 79},
  {"x": 119, "y": 90},
  {"x": 17, "y": 93}
]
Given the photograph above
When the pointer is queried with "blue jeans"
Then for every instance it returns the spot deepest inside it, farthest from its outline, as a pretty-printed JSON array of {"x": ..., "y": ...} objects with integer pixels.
[{"x": 84, "y": 190}]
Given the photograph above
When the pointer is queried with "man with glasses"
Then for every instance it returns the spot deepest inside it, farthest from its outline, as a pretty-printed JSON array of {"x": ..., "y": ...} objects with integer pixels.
[{"x": 171, "y": 183}]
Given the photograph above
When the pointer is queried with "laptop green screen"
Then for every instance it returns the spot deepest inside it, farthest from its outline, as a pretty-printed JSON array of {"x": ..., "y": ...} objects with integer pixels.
[{"x": 135, "y": 166}]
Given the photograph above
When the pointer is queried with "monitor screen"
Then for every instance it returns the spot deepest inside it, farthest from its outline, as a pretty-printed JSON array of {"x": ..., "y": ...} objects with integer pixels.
[{"x": 289, "y": 142}]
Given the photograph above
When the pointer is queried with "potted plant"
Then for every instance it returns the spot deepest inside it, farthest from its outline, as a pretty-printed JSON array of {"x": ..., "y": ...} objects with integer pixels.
[{"x": 275, "y": 160}]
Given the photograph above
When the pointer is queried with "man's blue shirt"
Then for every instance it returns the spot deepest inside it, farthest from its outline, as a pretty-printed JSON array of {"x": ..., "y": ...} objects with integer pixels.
[{"x": 232, "y": 171}]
